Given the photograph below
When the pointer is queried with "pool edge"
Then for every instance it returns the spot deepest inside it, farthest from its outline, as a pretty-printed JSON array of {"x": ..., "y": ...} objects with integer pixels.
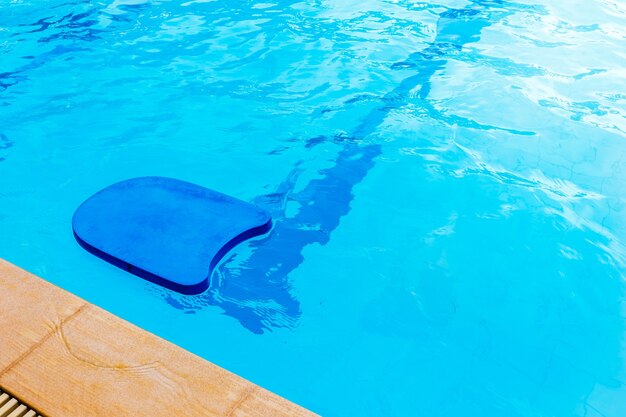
[{"x": 67, "y": 357}]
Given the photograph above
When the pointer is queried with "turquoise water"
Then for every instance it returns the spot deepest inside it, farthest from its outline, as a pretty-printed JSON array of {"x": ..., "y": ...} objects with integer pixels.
[{"x": 446, "y": 181}]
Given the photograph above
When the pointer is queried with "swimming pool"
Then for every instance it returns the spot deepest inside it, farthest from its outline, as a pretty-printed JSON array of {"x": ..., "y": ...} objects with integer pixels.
[{"x": 445, "y": 180}]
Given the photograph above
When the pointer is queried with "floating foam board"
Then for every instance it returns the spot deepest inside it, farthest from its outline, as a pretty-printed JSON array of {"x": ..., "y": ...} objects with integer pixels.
[{"x": 167, "y": 231}]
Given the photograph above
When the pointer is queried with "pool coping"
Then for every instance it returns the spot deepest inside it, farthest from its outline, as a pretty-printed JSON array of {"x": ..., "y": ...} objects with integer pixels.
[{"x": 66, "y": 357}]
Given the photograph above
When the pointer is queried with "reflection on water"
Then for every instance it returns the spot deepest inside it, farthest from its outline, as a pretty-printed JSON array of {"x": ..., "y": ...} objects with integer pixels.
[{"x": 257, "y": 292}]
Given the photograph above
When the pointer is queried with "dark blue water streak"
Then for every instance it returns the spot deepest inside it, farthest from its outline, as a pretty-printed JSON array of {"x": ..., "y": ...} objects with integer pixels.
[{"x": 257, "y": 292}]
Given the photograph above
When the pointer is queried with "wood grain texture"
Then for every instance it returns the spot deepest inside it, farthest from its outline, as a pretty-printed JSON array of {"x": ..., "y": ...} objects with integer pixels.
[
  {"x": 72, "y": 358},
  {"x": 24, "y": 299}
]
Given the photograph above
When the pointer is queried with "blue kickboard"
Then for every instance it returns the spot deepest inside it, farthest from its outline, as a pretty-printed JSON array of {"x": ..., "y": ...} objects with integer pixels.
[{"x": 167, "y": 231}]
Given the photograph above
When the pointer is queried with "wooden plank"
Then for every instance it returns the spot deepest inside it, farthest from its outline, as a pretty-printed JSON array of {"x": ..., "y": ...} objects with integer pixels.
[
  {"x": 19, "y": 411},
  {"x": 92, "y": 363},
  {"x": 28, "y": 315},
  {"x": 8, "y": 407},
  {"x": 12, "y": 407}
]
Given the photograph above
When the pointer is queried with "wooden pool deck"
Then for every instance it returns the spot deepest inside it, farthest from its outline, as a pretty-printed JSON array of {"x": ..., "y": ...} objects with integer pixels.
[{"x": 65, "y": 357}]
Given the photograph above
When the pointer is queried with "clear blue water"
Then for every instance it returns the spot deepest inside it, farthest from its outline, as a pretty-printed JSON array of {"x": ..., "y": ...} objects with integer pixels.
[{"x": 447, "y": 182}]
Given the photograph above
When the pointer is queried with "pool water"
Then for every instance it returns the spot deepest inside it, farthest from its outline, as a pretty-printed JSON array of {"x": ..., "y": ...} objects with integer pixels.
[{"x": 446, "y": 180}]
